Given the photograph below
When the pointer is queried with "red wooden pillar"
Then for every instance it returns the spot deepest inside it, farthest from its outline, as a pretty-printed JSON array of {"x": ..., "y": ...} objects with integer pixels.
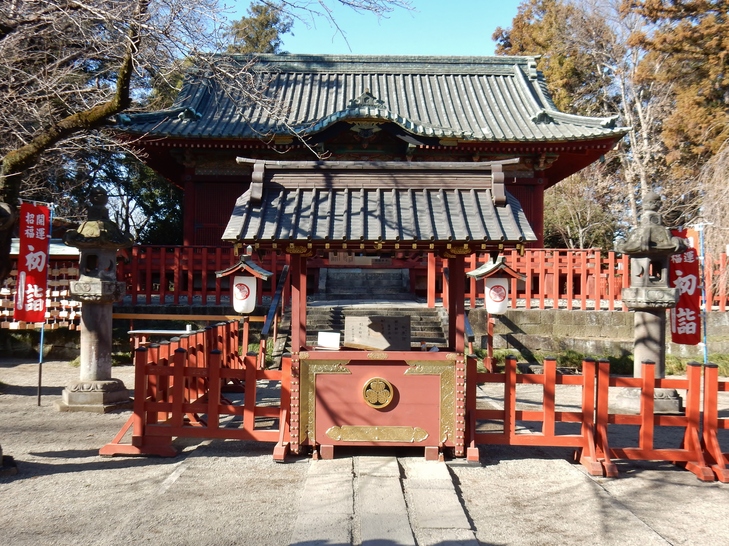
[
  {"x": 188, "y": 210},
  {"x": 537, "y": 217},
  {"x": 298, "y": 302},
  {"x": 456, "y": 303},
  {"x": 431, "y": 280}
]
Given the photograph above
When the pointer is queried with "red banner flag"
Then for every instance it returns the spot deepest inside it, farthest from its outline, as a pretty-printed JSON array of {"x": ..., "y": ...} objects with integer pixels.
[
  {"x": 30, "y": 295},
  {"x": 686, "y": 316}
]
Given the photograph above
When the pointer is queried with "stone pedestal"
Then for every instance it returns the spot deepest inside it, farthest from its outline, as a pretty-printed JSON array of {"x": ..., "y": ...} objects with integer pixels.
[
  {"x": 95, "y": 396},
  {"x": 665, "y": 401},
  {"x": 96, "y": 391},
  {"x": 649, "y": 341}
]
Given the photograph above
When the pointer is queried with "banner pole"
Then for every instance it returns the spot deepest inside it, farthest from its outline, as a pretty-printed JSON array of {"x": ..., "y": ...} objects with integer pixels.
[
  {"x": 700, "y": 229},
  {"x": 43, "y": 327}
]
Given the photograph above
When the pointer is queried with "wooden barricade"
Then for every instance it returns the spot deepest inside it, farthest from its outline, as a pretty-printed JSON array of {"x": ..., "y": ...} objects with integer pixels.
[
  {"x": 718, "y": 460},
  {"x": 583, "y": 442},
  {"x": 690, "y": 453},
  {"x": 180, "y": 389}
]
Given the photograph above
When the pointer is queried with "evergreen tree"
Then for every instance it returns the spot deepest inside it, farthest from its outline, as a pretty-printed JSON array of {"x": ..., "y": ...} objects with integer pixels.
[
  {"x": 261, "y": 30},
  {"x": 693, "y": 36}
]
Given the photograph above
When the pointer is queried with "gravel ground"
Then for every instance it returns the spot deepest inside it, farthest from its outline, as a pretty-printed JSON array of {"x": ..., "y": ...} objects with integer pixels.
[{"x": 227, "y": 492}]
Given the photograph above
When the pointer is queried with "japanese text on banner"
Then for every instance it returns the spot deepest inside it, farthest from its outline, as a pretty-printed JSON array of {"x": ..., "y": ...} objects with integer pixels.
[
  {"x": 30, "y": 295},
  {"x": 686, "y": 316}
]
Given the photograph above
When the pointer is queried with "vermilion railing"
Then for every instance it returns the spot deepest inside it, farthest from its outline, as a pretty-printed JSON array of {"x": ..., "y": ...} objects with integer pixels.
[
  {"x": 185, "y": 275},
  {"x": 561, "y": 279},
  {"x": 554, "y": 279}
]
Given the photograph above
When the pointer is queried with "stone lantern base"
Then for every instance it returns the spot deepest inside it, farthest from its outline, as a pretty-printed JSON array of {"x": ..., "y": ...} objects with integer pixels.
[
  {"x": 95, "y": 396},
  {"x": 665, "y": 402}
]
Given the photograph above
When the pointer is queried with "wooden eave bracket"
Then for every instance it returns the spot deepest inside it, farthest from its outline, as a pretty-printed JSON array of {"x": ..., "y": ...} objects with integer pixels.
[
  {"x": 245, "y": 264},
  {"x": 498, "y": 191},
  {"x": 259, "y": 170}
]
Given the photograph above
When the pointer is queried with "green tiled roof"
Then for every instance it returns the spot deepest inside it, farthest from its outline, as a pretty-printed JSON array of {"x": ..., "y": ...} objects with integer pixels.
[{"x": 489, "y": 99}]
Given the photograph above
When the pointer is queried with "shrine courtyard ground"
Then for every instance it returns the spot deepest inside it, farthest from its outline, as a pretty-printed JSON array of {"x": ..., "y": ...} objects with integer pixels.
[{"x": 232, "y": 493}]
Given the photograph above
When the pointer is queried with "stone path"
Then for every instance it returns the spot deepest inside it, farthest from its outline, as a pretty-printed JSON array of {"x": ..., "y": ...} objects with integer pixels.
[{"x": 376, "y": 501}]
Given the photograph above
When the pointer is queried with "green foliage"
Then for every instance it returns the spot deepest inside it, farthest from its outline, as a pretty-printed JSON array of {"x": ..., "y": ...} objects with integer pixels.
[
  {"x": 691, "y": 39},
  {"x": 550, "y": 28},
  {"x": 261, "y": 30},
  {"x": 140, "y": 201}
]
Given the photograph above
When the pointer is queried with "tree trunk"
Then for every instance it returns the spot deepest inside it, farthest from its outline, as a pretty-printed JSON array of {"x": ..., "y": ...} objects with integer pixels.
[{"x": 20, "y": 159}]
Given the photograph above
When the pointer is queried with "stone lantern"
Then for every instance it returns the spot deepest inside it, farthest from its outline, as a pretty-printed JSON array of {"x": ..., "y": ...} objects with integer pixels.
[
  {"x": 98, "y": 239},
  {"x": 650, "y": 246}
]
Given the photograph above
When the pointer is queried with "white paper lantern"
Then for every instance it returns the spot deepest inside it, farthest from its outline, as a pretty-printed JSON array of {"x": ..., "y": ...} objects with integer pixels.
[
  {"x": 497, "y": 292},
  {"x": 244, "y": 294}
]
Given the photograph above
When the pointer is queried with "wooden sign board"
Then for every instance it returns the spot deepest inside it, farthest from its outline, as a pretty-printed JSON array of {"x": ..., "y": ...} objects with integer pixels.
[{"x": 377, "y": 333}]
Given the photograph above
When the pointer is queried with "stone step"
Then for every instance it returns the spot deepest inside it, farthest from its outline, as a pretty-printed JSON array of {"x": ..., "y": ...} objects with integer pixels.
[
  {"x": 425, "y": 323},
  {"x": 344, "y": 283}
]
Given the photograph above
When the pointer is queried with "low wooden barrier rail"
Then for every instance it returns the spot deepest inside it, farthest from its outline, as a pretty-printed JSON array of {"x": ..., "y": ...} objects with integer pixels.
[
  {"x": 718, "y": 460},
  {"x": 180, "y": 391},
  {"x": 548, "y": 416},
  {"x": 690, "y": 453}
]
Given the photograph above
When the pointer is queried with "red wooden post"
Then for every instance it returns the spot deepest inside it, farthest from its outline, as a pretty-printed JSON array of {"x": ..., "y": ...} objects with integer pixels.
[
  {"x": 219, "y": 282},
  {"x": 162, "y": 268},
  {"x": 298, "y": 302},
  {"x": 204, "y": 275},
  {"x": 148, "y": 274},
  {"x": 549, "y": 390},
  {"x": 140, "y": 396},
  {"x": 569, "y": 276},
  {"x": 178, "y": 393},
  {"x": 588, "y": 455},
  {"x": 283, "y": 445},
  {"x": 598, "y": 280},
  {"x": 472, "y": 264},
  {"x": 583, "y": 281},
  {"x": 555, "y": 279},
  {"x": 456, "y": 310},
  {"x": 722, "y": 285},
  {"x": 528, "y": 271},
  {"x": 135, "y": 274},
  {"x": 602, "y": 419},
  {"x": 691, "y": 438},
  {"x": 176, "y": 275},
  {"x": 471, "y": 388},
  {"x": 647, "y": 403},
  {"x": 510, "y": 398},
  {"x": 190, "y": 261},
  {"x": 713, "y": 451},
  {"x": 541, "y": 264},
  {"x": 214, "y": 389},
  {"x": 249, "y": 404},
  {"x": 431, "y": 280}
]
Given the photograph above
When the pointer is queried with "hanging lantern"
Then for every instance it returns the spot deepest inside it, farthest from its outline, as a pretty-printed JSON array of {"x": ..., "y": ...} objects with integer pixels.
[
  {"x": 497, "y": 276},
  {"x": 244, "y": 294},
  {"x": 497, "y": 292}
]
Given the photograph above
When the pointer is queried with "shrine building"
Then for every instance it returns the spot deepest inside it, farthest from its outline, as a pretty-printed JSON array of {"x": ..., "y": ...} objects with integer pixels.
[{"x": 409, "y": 122}]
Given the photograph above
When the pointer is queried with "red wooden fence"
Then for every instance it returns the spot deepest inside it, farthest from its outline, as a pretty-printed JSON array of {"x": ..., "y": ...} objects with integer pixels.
[
  {"x": 506, "y": 419},
  {"x": 181, "y": 388},
  {"x": 554, "y": 279},
  {"x": 184, "y": 389}
]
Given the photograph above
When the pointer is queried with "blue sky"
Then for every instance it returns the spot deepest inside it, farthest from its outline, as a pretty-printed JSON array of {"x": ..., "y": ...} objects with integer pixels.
[{"x": 434, "y": 27}]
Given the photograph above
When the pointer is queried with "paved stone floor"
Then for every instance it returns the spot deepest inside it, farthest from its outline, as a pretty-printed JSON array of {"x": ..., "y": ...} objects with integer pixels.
[{"x": 230, "y": 493}]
